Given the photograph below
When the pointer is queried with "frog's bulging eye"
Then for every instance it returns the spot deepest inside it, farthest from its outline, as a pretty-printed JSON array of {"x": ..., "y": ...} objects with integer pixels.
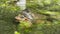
[{"x": 22, "y": 17}]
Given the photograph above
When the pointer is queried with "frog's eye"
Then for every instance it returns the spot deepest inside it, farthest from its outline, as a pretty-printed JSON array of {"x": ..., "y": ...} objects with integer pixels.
[
  {"x": 22, "y": 17},
  {"x": 26, "y": 19}
]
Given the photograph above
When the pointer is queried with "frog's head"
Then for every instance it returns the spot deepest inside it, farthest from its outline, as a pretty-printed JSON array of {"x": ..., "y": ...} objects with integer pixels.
[{"x": 21, "y": 18}]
